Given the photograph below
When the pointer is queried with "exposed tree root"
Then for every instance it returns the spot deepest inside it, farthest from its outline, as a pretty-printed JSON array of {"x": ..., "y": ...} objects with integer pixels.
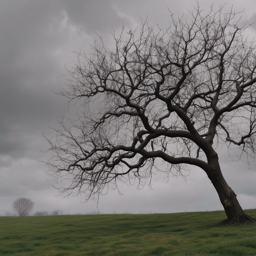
[{"x": 243, "y": 220}]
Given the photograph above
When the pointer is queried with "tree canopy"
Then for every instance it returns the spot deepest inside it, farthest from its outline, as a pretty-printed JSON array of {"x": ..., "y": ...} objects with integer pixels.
[{"x": 172, "y": 94}]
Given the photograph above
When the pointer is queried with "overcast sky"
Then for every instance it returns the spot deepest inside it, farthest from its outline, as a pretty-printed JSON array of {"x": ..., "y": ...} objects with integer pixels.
[{"x": 38, "y": 39}]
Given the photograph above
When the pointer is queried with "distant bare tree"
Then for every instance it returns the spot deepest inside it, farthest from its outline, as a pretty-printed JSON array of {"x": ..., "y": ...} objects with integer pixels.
[
  {"x": 57, "y": 212},
  {"x": 9, "y": 214},
  {"x": 45, "y": 213},
  {"x": 41, "y": 213},
  {"x": 23, "y": 206},
  {"x": 173, "y": 94}
]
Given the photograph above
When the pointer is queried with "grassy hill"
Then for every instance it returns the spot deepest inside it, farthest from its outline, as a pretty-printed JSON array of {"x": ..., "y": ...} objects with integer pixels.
[{"x": 194, "y": 233}]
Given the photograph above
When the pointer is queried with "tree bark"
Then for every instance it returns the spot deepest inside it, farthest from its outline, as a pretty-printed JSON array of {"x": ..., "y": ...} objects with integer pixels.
[{"x": 234, "y": 211}]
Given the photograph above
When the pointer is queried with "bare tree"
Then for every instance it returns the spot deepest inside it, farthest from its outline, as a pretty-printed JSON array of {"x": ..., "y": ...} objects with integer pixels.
[
  {"x": 9, "y": 214},
  {"x": 57, "y": 212},
  {"x": 41, "y": 213},
  {"x": 173, "y": 94},
  {"x": 23, "y": 206}
]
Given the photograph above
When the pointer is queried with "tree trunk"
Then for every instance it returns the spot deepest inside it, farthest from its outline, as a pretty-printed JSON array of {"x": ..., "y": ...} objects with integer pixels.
[{"x": 227, "y": 196}]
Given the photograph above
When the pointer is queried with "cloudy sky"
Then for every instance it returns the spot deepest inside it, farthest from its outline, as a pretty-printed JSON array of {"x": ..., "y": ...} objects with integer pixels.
[{"x": 38, "y": 39}]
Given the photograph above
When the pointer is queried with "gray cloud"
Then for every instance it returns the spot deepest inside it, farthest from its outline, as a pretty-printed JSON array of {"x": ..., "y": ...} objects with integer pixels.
[
  {"x": 94, "y": 15},
  {"x": 31, "y": 34}
]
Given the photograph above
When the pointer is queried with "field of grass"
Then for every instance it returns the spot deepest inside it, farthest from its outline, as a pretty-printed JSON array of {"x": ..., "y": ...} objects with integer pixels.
[{"x": 126, "y": 234}]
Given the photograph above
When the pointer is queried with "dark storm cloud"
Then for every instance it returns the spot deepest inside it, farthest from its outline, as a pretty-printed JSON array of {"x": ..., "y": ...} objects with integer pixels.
[
  {"x": 96, "y": 15},
  {"x": 31, "y": 33},
  {"x": 26, "y": 68}
]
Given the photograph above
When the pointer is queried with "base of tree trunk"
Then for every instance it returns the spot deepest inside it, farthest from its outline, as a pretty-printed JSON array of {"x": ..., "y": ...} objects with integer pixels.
[
  {"x": 228, "y": 198},
  {"x": 245, "y": 219}
]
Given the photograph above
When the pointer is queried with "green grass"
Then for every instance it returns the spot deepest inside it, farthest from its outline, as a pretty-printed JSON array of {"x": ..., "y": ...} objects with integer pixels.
[{"x": 126, "y": 234}]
